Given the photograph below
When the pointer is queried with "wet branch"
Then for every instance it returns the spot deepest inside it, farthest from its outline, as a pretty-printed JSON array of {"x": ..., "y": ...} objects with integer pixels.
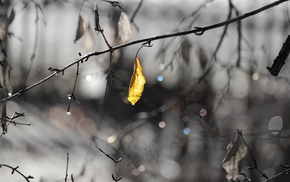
[{"x": 196, "y": 30}]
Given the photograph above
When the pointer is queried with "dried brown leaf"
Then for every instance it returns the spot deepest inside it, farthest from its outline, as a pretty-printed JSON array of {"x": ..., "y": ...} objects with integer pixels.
[
  {"x": 5, "y": 79},
  {"x": 203, "y": 59},
  {"x": 11, "y": 16},
  {"x": 124, "y": 28},
  {"x": 233, "y": 161},
  {"x": 97, "y": 21},
  {"x": 80, "y": 29},
  {"x": 185, "y": 50},
  {"x": 4, "y": 119},
  {"x": 88, "y": 42}
]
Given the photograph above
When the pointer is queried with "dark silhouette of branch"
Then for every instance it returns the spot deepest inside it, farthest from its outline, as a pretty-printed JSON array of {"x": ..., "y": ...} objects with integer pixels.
[
  {"x": 135, "y": 13},
  {"x": 14, "y": 116},
  {"x": 66, "y": 170},
  {"x": 286, "y": 172},
  {"x": 116, "y": 161},
  {"x": 115, "y": 3},
  {"x": 201, "y": 30},
  {"x": 224, "y": 32},
  {"x": 71, "y": 96},
  {"x": 281, "y": 58},
  {"x": 253, "y": 158},
  {"x": 38, "y": 10},
  {"x": 196, "y": 30},
  {"x": 15, "y": 169}
]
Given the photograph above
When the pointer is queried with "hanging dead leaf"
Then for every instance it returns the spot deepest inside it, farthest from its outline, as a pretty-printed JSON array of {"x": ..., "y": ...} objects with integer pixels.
[
  {"x": 233, "y": 161},
  {"x": 5, "y": 79},
  {"x": 4, "y": 119},
  {"x": 124, "y": 29},
  {"x": 97, "y": 21},
  {"x": 11, "y": 16},
  {"x": 185, "y": 50},
  {"x": 137, "y": 83},
  {"x": 203, "y": 59},
  {"x": 88, "y": 40},
  {"x": 80, "y": 29}
]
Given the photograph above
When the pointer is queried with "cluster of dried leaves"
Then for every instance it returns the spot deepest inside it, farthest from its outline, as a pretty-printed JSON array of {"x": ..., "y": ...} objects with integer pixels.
[{"x": 124, "y": 35}]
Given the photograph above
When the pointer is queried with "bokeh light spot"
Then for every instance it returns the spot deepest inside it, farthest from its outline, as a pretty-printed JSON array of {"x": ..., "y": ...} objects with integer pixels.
[
  {"x": 169, "y": 169},
  {"x": 161, "y": 66},
  {"x": 162, "y": 124},
  {"x": 112, "y": 139},
  {"x": 186, "y": 131},
  {"x": 89, "y": 78},
  {"x": 160, "y": 78},
  {"x": 275, "y": 125},
  {"x": 141, "y": 168},
  {"x": 135, "y": 172},
  {"x": 255, "y": 76}
]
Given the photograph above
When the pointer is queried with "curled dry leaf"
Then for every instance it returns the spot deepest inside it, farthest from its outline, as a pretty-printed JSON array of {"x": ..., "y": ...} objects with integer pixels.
[
  {"x": 5, "y": 79},
  {"x": 185, "y": 50},
  {"x": 97, "y": 21},
  {"x": 4, "y": 119},
  {"x": 233, "y": 161},
  {"x": 88, "y": 42},
  {"x": 80, "y": 29},
  {"x": 203, "y": 59},
  {"x": 137, "y": 83},
  {"x": 124, "y": 28},
  {"x": 11, "y": 16}
]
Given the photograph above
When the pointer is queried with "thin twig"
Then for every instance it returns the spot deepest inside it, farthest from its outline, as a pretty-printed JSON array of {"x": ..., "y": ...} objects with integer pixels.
[
  {"x": 135, "y": 13},
  {"x": 14, "y": 116},
  {"x": 15, "y": 169},
  {"x": 253, "y": 157},
  {"x": 72, "y": 95},
  {"x": 286, "y": 171},
  {"x": 224, "y": 33},
  {"x": 66, "y": 170},
  {"x": 116, "y": 161},
  {"x": 196, "y": 30}
]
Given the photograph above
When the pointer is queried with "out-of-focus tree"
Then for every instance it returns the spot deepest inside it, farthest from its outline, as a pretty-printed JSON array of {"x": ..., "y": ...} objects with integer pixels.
[{"x": 167, "y": 91}]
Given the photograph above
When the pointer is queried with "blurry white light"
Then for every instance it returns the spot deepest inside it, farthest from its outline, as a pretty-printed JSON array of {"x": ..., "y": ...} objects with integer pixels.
[
  {"x": 112, "y": 139},
  {"x": 141, "y": 168},
  {"x": 255, "y": 76},
  {"x": 162, "y": 124},
  {"x": 239, "y": 87},
  {"x": 68, "y": 113},
  {"x": 135, "y": 172},
  {"x": 161, "y": 66},
  {"x": 169, "y": 169},
  {"x": 89, "y": 78},
  {"x": 275, "y": 125}
]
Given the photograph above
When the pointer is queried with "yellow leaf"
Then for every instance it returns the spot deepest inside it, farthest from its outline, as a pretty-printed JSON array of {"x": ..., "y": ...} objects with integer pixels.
[{"x": 137, "y": 83}]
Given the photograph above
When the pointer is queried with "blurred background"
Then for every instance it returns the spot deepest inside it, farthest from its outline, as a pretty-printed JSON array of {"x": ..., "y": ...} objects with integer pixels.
[{"x": 194, "y": 100}]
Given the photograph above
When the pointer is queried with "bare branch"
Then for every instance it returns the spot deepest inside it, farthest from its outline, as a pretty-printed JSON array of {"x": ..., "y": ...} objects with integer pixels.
[
  {"x": 196, "y": 30},
  {"x": 15, "y": 169}
]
